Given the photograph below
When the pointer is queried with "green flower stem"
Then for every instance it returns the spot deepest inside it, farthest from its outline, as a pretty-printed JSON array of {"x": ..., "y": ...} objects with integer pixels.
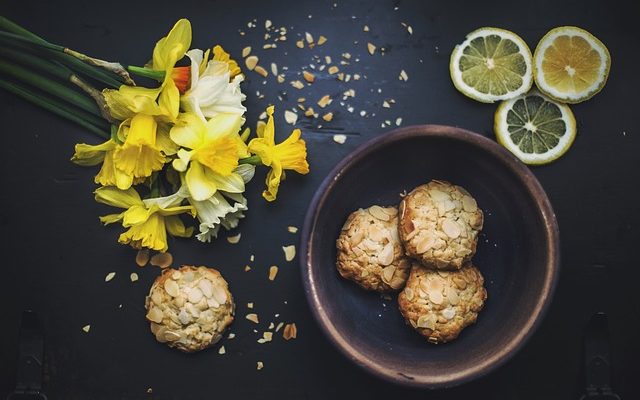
[
  {"x": 33, "y": 46},
  {"x": 49, "y": 86},
  {"x": 147, "y": 72},
  {"x": 115, "y": 68},
  {"x": 253, "y": 160},
  {"x": 54, "y": 106}
]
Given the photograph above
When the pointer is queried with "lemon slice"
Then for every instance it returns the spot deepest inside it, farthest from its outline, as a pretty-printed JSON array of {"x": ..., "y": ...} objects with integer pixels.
[
  {"x": 492, "y": 64},
  {"x": 534, "y": 128},
  {"x": 571, "y": 65}
]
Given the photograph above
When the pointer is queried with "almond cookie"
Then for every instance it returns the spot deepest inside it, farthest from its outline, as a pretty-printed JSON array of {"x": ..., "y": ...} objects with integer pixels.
[
  {"x": 440, "y": 304},
  {"x": 369, "y": 250},
  {"x": 439, "y": 225},
  {"x": 189, "y": 308}
]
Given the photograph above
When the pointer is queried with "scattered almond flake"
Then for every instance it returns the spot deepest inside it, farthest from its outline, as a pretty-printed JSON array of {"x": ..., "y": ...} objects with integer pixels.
[
  {"x": 324, "y": 101},
  {"x": 308, "y": 76},
  {"x": 273, "y": 271},
  {"x": 86, "y": 328},
  {"x": 249, "y": 305},
  {"x": 251, "y": 62},
  {"x": 133, "y": 277},
  {"x": 281, "y": 78},
  {"x": 274, "y": 69},
  {"x": 292, "y": 229},
  {"x": 289, "y": 252},
  {"x": 339, "y": 138},
  {"x": 348, "y": 77},
  {"x": 410, "y": 29},
  {"x": 341, "y": 76},
  {"x": 247, "y": 268},
  {"x": 386, "y": 104},
  {"x": 346, "y": 55},
  {"x": 221, "y": 350},
  {"x": 363, "y": 113},
  {"x": 386, "y": 121},
  {"x": 328, "y": 117},
  {"x": 398, "y": 121},
  {"x": 109, "y": 276},
  {"x": 282, "y": 38},
  {"x": 290, "y": 117},
  {"x": 301, "y": 99},
  {"x": 290, "y": 331},
  {"x": 267, "y": 24},
  {"x": 301, "y": 107},
  {"x": 372, "y": 48},
  {"x": 366, "y": 28},
  {"x": 252, "y": 258},
  {"x": 231, "y": 335},
  {"x": 350, "y": 93},
  {"x": 259, "y": 365},
  {"x": 309, "y": 112},
  {"x": 321, "y": 68},
  {"x": 252, "y": 317},
  {"x": 300, "y": 43},
  {"x": 308, "y": 37},
  {"x": 271, "y": 325},
  {"x": 297, "y": 84},
  {"x": 356, "y": 77},
  {"x": 333, "y": 69},
  {"x": 142, "y": 258},
  {"x": 350, "y": 109},
  {"x": 234, "y": 239},
  {"x": 269, "y": 46},
  {"x": 261, "y": 71},
  {"x": 162, "y": 260},
  {"x": 322, "y": 40},
  {"x": 246, "y": 51},
  {"x": 327, "y": 59},
  {"x": 403, "y": 76},
  {"x": 280, "y": 325},
  {"x": 268, "y": 336}
]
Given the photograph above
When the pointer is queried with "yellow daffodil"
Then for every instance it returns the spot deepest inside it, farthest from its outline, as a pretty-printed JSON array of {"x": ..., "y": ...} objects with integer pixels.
[
  {"x": 288, "y": 155},
  {"x": 140, "y": 155},
  {"x": 215, "y": 148},
  {"x": 148, "y": 220},
  {"x": 163, "y": 101},
  {"x": 214, "y": 86}
]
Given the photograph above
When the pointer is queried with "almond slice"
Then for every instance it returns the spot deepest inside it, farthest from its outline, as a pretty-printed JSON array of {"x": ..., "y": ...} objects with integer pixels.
[
  {"x": 289, "y": 252},
  {"x": 142, "y": 258},
  {"x": 162, "y": 260},
  {"x": 251, "y": 62}
]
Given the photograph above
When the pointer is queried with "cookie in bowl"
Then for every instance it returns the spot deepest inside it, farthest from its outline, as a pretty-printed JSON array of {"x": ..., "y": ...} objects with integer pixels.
[
  {"x": 369, "y": 250},
  {"x": 439, "y": 225},
  {"x": 440, "y": 304},
  {"x": 189, "y": 308}
]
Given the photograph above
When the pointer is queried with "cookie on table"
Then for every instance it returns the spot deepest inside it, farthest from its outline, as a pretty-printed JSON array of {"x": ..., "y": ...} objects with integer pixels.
[
  {"x": 440, "y": 304},
  {"x": 189, "y": 308},
  {"x": 369, "y": 250},
  {"x": 439, "y": 225}
]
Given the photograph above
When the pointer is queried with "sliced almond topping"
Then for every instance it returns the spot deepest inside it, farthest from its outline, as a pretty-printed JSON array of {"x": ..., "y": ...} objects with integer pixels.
[
  {"x": 172, "y": 288},
  {"x": 387, "y": 273},
  {"x": 109, "y": 276},
  {"x": 451, "y": 228},
  {"x": 378, "y": 212},
  {"x": 289, "y": 252},
  {"x": 234, "y": 239},
  {"x": 460, "y": 283},
  {"x": 155, "y": 315},
  {"x": 339, "y": 138},
  {"x": 469, "y": 204},
  {"x": 260, "y": 70},
  {"x": 219, "y": 294},
  {"x": 290, "y": 331},
  {"x": 385, "y": 257},
  {"x": 372, "y": 48},
  {"x": 195, "y": 295},
  {"x": 408, "y": 293},
  {"x": 435, "y": 297},
  {"x": 273, "y": 271},
  {"x": 142, "y": 258},
  {"x": 452, "y": 296},
  {"x": 251, "y": 62},
  {"x": 448, "y": 313},
  {"x": 206, "y": 287},
  {"x": 308, "y": 76},
  {"x": 162, "y": 260},
  {"x": 427, "y": 321},
  {"x": 246, "y": 51},
  {"x": 252, "y": 317}
]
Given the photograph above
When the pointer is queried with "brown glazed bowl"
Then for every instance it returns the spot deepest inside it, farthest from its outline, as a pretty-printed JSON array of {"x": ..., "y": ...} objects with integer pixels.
[{"x": 518, "y": 254}]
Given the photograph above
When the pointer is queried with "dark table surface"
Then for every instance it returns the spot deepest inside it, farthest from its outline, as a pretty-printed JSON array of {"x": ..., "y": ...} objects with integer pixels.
[{"x": 57, "y": 254}]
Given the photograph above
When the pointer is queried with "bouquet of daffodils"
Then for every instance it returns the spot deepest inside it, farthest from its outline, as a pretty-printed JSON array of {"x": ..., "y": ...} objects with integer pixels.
[{"x": 176, "y": 148}]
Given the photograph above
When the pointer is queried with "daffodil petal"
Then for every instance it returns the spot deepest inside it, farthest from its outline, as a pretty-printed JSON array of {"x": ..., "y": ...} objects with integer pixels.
[
  {"x": 172, "y": 47},
  {"x": 189, "y": 131},
  {"x": 169, "y": 100},
  {"x": 151, "y": 234},
  {"x": 222, "y": 125},
  {"x": 246, "y": 171},
  {"x": 200, "y": 184},
  {"x": 176, "y": 227},
  {"x": 117, "y": 198},
  {"x": 89, "y": 155},
  {"x": 111, "y": 218},
  {"x": 196, "y": 56},
  {"x": 137, "y": 214},
  {"x": 232, "y": 183},
  {"x": 164, "y": 142}
]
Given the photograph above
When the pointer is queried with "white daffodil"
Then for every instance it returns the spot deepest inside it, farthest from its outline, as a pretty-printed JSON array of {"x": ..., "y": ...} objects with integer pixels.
[{"x": 213, "y": 89}]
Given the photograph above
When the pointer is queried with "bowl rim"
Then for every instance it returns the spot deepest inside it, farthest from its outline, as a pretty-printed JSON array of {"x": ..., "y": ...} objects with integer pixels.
[{"x": 551, "y": 268}]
